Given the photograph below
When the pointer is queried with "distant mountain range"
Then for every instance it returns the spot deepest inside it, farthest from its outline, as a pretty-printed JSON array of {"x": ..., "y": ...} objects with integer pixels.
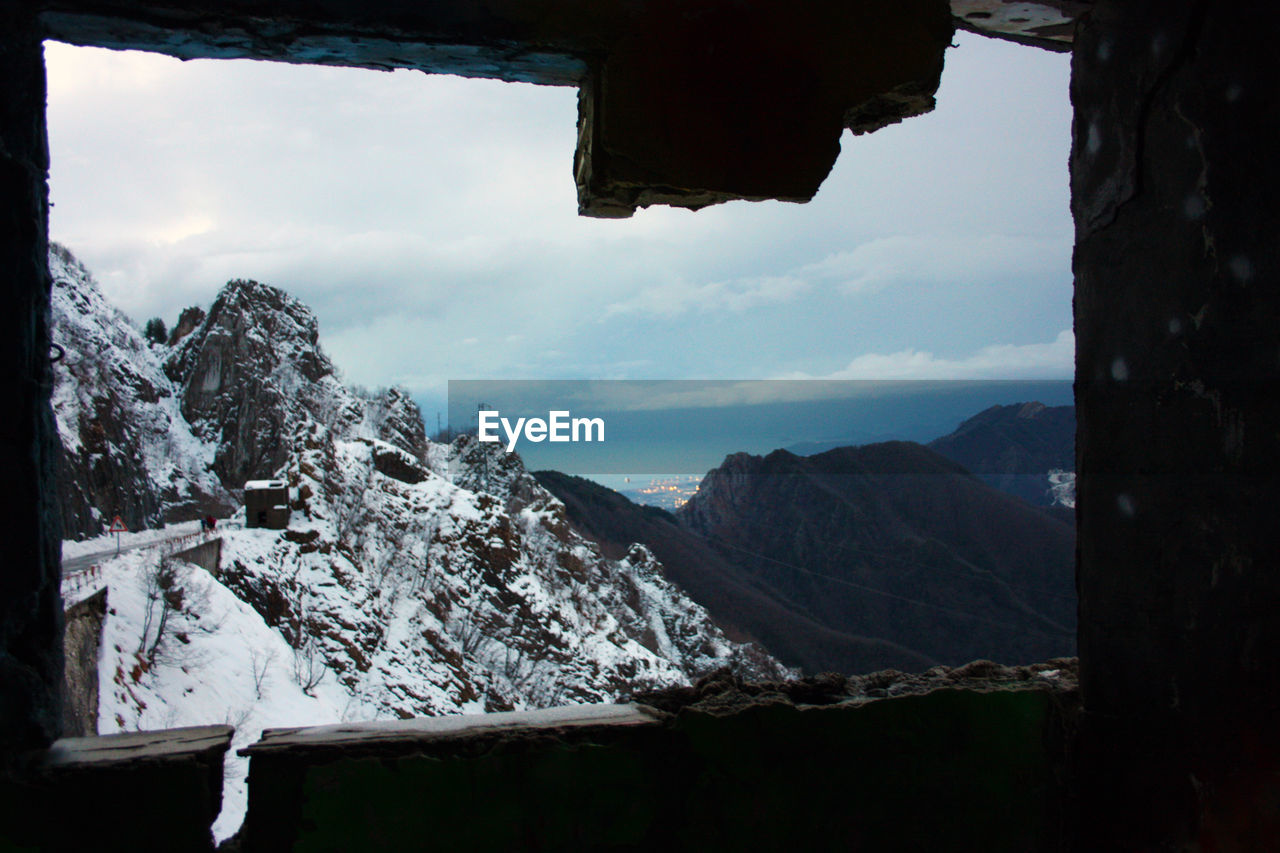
[
  {"x": 884, "y": 555},
  {"x": 747, "y": 609}
]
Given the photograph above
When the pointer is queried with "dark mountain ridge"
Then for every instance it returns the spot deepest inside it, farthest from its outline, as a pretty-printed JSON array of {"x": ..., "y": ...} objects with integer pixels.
[
  {"x": 1015, "y": 447},
  {"x": 886, "y": 555},
  {"x": 749, "y": 611},
  {"x": 896, "y": 542}
]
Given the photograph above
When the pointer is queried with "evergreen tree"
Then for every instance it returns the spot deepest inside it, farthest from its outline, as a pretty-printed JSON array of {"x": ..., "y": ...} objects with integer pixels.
[{"x": 155, "y": 331}]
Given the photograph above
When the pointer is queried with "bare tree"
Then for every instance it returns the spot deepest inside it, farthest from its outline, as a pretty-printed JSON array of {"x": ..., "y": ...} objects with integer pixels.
[
  {"x": 176, "y": 609},
  {"x": 164, "y": 597},
  {"x": 260, "y": 662},
  {"x": 350, "y": 508},
  {"x": 237, "y": 719},
  {"x": 308, "y": 662},
  {"x": 308, "y": 665},
  {"x": 468, "y": 632}
]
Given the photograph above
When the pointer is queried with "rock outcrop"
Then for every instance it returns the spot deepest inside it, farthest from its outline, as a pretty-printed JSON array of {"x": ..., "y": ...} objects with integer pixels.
[
  {"x": 247, "y": 371},
  {"x": 397, "y": 420},
  {"x": 188, "y": 321},
  {"x": 127, "y": 450}
]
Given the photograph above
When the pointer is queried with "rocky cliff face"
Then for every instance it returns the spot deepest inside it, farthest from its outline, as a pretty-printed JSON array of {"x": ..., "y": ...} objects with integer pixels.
[
  {"x": 251, "y": 372},
  {"x": 127, "y": 450},
  {"x": 397, "y": 420},
  {"x": 427, "y": 597},
  {"x": 247, "y": 373}
]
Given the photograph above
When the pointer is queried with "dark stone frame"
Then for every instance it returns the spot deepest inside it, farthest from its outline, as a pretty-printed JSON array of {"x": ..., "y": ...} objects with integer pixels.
[{"x": 1174, "y": 182}]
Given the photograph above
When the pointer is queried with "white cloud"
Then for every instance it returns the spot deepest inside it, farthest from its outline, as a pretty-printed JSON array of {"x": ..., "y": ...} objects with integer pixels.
[
  {"x": 449, "y": 206},
  {"x": 669, "y": 299},
  {"x": 954, "y": 260},
  {"x": 1053, "y": 360}
]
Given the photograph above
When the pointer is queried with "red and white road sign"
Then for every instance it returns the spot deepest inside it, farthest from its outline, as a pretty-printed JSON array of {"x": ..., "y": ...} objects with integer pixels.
[{"x": 117, "y": 526}]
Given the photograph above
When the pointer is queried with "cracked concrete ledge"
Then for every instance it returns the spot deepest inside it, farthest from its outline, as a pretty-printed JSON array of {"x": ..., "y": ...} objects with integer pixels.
[
  {"x": 806, "y": 764},
  {"x": 1049, "y": 24},
  {"x": 86, "y": 753},
  {"x": 157, "y": 790},
  {"x": 718, "y": 692},
  {"x": 427, "y": 731}
]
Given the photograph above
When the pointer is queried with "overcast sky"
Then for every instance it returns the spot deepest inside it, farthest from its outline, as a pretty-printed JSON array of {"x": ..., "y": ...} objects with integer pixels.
[{"x": 431, "y": 223}]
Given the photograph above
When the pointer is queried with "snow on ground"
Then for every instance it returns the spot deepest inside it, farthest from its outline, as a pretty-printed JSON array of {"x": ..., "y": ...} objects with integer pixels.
[
  {"x": 106, "y": 543},
  {"x": 216, "y": 662}
]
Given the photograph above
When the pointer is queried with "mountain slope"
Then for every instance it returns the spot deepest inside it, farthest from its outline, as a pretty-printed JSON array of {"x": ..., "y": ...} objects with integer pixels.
[
  {"x": 1014, "y": 448},
  {"x": 896, "y": 542},
  {"x": 127, "y": 450},
  {"x": 749, "y": 609}
]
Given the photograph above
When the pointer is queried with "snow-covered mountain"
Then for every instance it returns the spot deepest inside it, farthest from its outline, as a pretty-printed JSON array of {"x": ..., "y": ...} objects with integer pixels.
[
  {"x": 127, "y": 450},
  {"x": 414, "y": 579}
]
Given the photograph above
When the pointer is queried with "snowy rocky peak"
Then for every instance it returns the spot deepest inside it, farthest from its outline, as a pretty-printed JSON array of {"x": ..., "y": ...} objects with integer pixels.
[
  {"x": 188, "y": 321},
  {"x": 257, "y": 320},
  {"x": 251, "y": 374},
  {"x": 393, "y": 417},
  {"x": 486, "y": 467},
  {"x": 126, "y": 448}
]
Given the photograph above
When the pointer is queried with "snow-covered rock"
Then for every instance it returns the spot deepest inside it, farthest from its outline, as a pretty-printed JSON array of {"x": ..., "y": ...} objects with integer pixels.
[
  {"x": 1062, "y": 488},
  {"x": 127, "y": 450},
  {"x": 249, "y": 373}
]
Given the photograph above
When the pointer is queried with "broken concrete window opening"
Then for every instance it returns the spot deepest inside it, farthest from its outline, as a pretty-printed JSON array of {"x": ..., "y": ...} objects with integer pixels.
[{"x": 1173, "y": 184}]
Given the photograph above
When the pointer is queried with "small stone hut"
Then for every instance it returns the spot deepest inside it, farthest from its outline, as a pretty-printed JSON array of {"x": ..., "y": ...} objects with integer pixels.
[{"x": 266, "y": 504}]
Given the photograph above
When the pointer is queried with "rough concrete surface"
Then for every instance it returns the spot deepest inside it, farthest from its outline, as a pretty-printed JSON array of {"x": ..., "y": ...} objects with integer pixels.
[
  {"x": 30, "y": 610},
  {"x": 141, "y": 791},
  {"x": 82, "y": 641},
  {"x": 1177, "y": 317},
  {"x": 725, "y": 764}
]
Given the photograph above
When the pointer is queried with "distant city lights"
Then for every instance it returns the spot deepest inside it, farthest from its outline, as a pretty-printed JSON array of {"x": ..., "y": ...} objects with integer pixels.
[{"x": 669, "y": 493}]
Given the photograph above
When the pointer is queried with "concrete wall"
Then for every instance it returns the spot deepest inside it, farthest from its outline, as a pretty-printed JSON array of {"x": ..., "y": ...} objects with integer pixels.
[
  {"x": 1177, "y": 306},
  {"x": 138, "y": 791},
  {"x": 948, "y": 770},
  {"x": 82, "y": 642},
  {"x": 206, "y": 555},
  {"x": 30, "y": 610}
]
